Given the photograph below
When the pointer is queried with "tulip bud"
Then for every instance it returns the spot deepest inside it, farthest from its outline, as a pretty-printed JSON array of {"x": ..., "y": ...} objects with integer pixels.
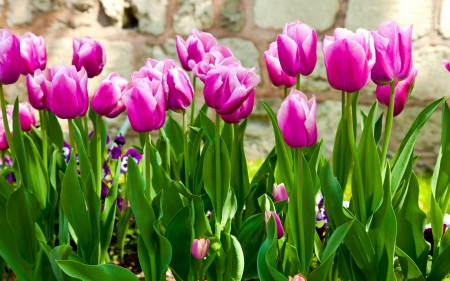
[
  {"x": 279, "y": 192},
  {"x": 297, "y": 120},
  {"x": 227, "y": 88},
  {"x": 26, "y": 115},
  {"x": 219, "y": 55},
  {"x": 90, "y": 54},
  {"x": 3, "y": 140},
  {"x": 242, "y": 112},
  {"x": 191, "y": 51},
  {"x": 60, "y": 89},
  {"x": 349, "y": 58},
  {"x": 33, "y": 53},
  {"x": 280, "y": 230},
  {"x": 178, "y": 89},
  {"x": 298, "y": 277},
  {"x": 297, "y": 49},
  {"x": 107, "y": 100},
  {"x": 402, "y": 92},
  {"x": 393, "y": 49},
  {"x": 145, "y": 105},
  {"x": 276, "y": 74},
  {"x": 446, "y": 64},
  {"x": 200, "y": 248},
  {"x": 9, "y": 57}
]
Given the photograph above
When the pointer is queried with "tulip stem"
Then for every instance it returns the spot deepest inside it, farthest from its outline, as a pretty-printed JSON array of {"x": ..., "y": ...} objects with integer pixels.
[
  {"x": 71, "y": 136},
  {"x": 99, "y": 155},
  {"x": 44, "y": 138},
  {"x": 186, "y": 150},
  {"x": 194, "y": 80},
  {"x": 218, "y": 173},
  {"x": 358, "y": 190},
  {"x": 297, "y": 86},
  {"x": 389, "y": 120},
  {"x": 285, "y": 92},
  {"x": 5, "y": 122},
  {"x": 147, "y": 165},
  {"x": 343, "y": 103}
]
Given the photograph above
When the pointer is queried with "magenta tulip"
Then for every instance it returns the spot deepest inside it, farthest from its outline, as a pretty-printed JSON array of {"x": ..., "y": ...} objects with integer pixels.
[
  {"x": 402, "y": 92},
  {"x": 297, "y": 120},
  {"x": 219, "y": 55},
  {"x": 107, "y": 100},
  {"x": 33, "y": 53},
  {"x": 90, "y": 54},
  {"x": 9, "y": 57},
  {"x": 276, "y": 74},
  {"x": 279, "y": 192},
  {"x": 154, "y": 69},
  {"x": 3, "y": 140},
  {"x": 280, "y": 230},
  {"x": 297, "y": 49},
  {"x": 145, "y": 105},
  {"x": 349, "y": 58},
  {"x": 446, "y": 64},
  {"x": 177, "y": 89},
  {"x": 227, "y": 88},
  {"x": 242, "y": 112},
  {"x": 393, "y": 48},
  {"x": 191, "y": 51},
  {"x": 26, "y": 115},
  {"x": 200, "y": 248}
]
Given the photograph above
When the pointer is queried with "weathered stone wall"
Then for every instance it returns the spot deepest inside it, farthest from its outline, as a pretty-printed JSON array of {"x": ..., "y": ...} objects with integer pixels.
[{"x": 132, "y": 30}]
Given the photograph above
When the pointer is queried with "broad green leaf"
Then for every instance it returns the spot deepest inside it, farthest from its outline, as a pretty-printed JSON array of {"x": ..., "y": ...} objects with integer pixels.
[
  {"x": 436, "y": 218},
  {"x": 267, "y": 167},
  {"x": 163, "y": 147},
  {"x": 43, "y": 269},
  {"x": 441, "y": 266},
  {"x": 19, "y": 149},
  {"x": 96, "y": 272},
  {"x": 342, "y": 159},
  {"x": 174, "y": 133},
  {"x": 207, "y": 126},
  {"x": 235, "y": 259},
  {"x": 60, "y": 253},
  {"x": 6, "y": 189},
  {"x": 251, "y": 236},
  {"x": 409, "y": 268},
  {"x": 252, "y": 205}
]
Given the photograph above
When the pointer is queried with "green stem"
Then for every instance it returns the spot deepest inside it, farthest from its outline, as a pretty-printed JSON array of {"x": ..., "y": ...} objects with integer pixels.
[
  {"x": 343, "y": 103},
  {"x": 297, "y": 86},
  {"x": 3, "y": 159},
  {"x": 5, "y": 122},
  {"x": 86, "y": 133},
  {"x": 199, "y": 270},
  {"x": 218, "y": 173},
  {"x": 298, "y": 171},
  {"x": 280, "y": 259},
  {"x": 357, "y": 190},
  {"x": 72, "y": 137},
  {"x": 99, "y": 155},
  {"x": 389, "y": 120},
  {"x": 147, "y": 165},
  {"x": 194, "y": 80},
  {"x": 186, "y": 150},
  {"x": 285, "y": 92},
  {"x": 44, "y": 140}
]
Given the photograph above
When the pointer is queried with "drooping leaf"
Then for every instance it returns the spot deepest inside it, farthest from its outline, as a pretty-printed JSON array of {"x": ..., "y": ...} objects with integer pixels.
[{"x": 96, "y": 272}]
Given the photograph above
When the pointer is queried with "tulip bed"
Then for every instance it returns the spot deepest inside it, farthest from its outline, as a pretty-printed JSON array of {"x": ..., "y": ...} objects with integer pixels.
[{"x": 184, "y": 202}]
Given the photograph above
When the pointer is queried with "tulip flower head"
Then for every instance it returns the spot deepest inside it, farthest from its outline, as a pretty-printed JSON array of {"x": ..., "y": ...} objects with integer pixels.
[
  {"x": 191, "y": 51},
  {"x": 90, "y": 54},
  {"x": 298, "y": 277},
  {"x": 297, "y": 120},
  {"x": 219, "y": 55},
  {"x": 178, "y": 89},
  {"x": 242, "y": 112},
  {"x": 227, "y": 88},
  {"x": 402, "y": 92},
  {"x": 26, "y": 115},
  {"x": 9, "y": 57},
  {"x": 33, "y": 53},
  {"x": 393, "y": 48},
  {"x": 107, "y": 100},
  {"x": 446, "y": 64},
  {"x": 153, "y": 69},
  {"x": 200, "y": 248},
  {"x": 3, "y": 140},
  {"x": 276, "y": 74},
  {"x": 297, "y": 49},
  {"x": 279, "y": 192},
  {"x": 280, "y": 230},
  {"x": 349, "y": 58}
]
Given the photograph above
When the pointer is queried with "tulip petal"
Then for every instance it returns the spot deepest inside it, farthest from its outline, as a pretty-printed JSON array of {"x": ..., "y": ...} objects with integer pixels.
[
  {"x": 288, "y": 55},
  {"x": 64, "y": 106}
]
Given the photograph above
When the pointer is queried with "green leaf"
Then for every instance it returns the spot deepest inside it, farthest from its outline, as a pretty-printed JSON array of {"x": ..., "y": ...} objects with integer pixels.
[
  {"x": 235, "y": 259},
  {"x": 251, "y": 236},
  {"x": 174, "y": 133},
  {"x": 60, "y": 253},
  {"x": 284, "y": 158},
  {"x": 163, "y": 147},
  {"x": 96, "y": 272},
  {"x": 55, "y": 133},
  {"x": 19, "y": 149},
  {"x": 409, "y": 268},
  {"x": 342, "y": 159},
  {"x": 441, "y": 266}
]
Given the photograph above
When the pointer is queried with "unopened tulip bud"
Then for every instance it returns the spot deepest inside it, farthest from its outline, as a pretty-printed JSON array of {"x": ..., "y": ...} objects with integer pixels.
[
  {"x": 280, "y": 230},
  {"x": 90, "y": 54},
  {"x": 107, "y": 100},
  {"x": 279, "y": 192},
  {"x": 200, "y": 248},
  {"x": 26, "y": 115},
  {"x": 178, "y": 89},
  {"x": 9, "y": 57},
  {"x": 298, "y": 277}
]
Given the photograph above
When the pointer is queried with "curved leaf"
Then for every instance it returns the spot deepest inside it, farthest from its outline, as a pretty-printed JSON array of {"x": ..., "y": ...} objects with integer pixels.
[{"x": 96, "y": 272}]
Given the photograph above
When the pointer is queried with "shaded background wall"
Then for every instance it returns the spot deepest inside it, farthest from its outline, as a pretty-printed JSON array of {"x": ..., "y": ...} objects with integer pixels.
[{"x": 132, "y": 30}]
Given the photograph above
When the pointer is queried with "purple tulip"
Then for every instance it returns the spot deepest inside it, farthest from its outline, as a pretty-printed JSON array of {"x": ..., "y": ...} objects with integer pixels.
[
  {"x": 3, "y": 140},
  {"x": 227, "y": 88},
  {"x": 145, "y": 105},
  {"x": 242, "y": 112},
  {"x": 393, "y": 48},
  {"x": 134, "y": 154},
  {"x": 401, "y": 94},
  {"x": 191, "y": 51},
  {"x": 178, "y": 89},
  {"x": 107, "y": 100},
  {"x": 33, "y": 53},
  {"x": 153, "y": 69},
  {"x": 279, "y": 192},
  {"x": 219, "y": 55},
  {"x": 297, "y": 49},
  {"x": 9, "y": 57},
  {"x": 60, "y": 89},
  {"x": 276, "y": 74},
  {"x": 297, "y": 120},
  {"x": 200, "y": 248},
  {"x": 280, "y": 230},
  {"x": 90, "y": 54},
  {"x": 446, "y": 64},
  {"x": 26, "y": 115},
  {"x": 349, "y": 58}
]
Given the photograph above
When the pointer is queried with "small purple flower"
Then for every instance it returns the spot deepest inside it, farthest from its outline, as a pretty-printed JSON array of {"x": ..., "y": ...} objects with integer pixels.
[
  {"x": 120, "y": 204},
  {"x": 120, "y": 140},
  {"x": 106, "y": 170},
  {"x": 66, "y": 151},
  {"x": 321, "y": 217},
  {"x": 136, "y": 156},
  {"x": 105, "y": 189}
]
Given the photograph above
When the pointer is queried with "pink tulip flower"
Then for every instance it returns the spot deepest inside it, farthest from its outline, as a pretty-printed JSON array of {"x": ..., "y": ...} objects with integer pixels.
[
  {"x": 33, "y": 53},
  {"x": 9, "y": 57},
  {"x": 90, "y": 54},
  {"x": 107, "y": 100},
  {"x": 191, "y": 51},
  {"x": 276, "y": 74},
  {"x": 26, "y": 115}
]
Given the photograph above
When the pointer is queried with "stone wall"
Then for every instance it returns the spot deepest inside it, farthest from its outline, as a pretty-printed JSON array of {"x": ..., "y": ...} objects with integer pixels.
[{"x": 132, "y": 30}]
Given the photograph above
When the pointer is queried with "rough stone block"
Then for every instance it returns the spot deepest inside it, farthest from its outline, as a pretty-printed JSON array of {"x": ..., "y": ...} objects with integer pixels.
[
  {"x": 114, "y": 9},
  {"x": 445, "y": 18},
  {"x": 193, "y": 13},
  {"x": 18, "y": 12},
  {"x": 242, "y": 49},
  {"x": 151, "y": 15},
  {"x": 232, "y": 15}
]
